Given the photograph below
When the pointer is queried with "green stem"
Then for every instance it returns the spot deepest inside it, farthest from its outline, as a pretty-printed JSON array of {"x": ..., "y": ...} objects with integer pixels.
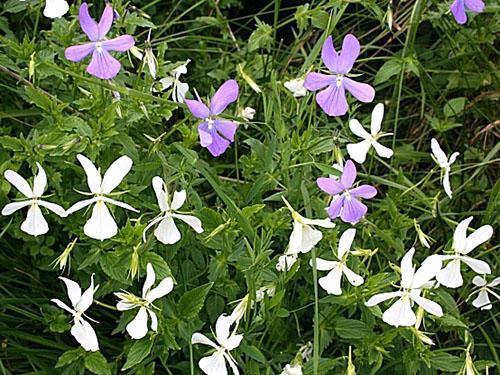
[
  {"x": 316, "y": 314},
  {"x": 191, "y": 363}
]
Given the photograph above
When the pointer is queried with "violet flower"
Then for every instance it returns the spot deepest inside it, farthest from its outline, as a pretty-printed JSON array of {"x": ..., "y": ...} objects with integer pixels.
[
  {"x": 216, "y": 134},
  {"x": 333, "y": 100},
  {"x": 345, "y": 201},
  {"x": 102, "y": 65},
  {"x": 458, "y": 9}
]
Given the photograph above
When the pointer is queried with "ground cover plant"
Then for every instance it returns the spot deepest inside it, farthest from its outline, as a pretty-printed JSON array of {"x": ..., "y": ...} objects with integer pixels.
[{"x": 224, "y": 187}]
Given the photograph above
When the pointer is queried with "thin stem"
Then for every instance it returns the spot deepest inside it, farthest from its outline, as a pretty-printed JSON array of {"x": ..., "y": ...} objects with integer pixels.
[
  {"x": 191, "y": 362},
  {"x": 316, "y": 314}
]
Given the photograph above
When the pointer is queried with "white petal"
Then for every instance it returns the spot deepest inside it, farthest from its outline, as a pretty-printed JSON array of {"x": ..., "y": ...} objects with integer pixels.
[
  {"x": 55, "y": 208},
  {"x": 166, "y": 82},
  {"x": 138, "y": 327},
  {"x": 381, "y": 297},
  {"x": 161, "y": 196},
  {"x": 331, "y": 282},
  {"x": 427, "y": 271},
  {"x": 400, "y": 314},
  {"x": 482, "y": 301},
  {"x": 453, "y": 157},
  {"x": 438, "y": 153},
  {"x": 19, "y": 182},
  {"x": 358, "y": 129},
  {"x": 479, "y": 266},
  {"x": 214, "y": 364},
  {"x": 55, "y": 8},
  {"x": 154, "y": 320},
  {"x": 495, "y": 282},
  {"x": 150, "y": 224},
  {"x": 477, "y": 238},
  {"x": 101, "y": 224},
  {"x": 35, "y": 224},
  {"x": 377, "y": 117},
  {"x": 178, "y": 199},
  {"x": 450, "y": 275},
  {"x": 295, "y": 238},
  {"x": 180, "y": 91},
  {"x": 87, "y": 297},
  {"x": 190, "y": 220},
  {"x": 345, "y": 242},
  {"x": 62, "y": 305},
  {"x": 93, "y": 176},
  {"x": 81, "y": 204},
  {"x": 323, "y": 264},
  {"x": 382, "y": 151},
  {"x": 353, "y": 277},
  {"x": 324, "y": 223},
  {"x": 479, "y": 281},
  {"x": 83, "y": 332},
  {"x": 166, "y": 232},
  {"x": 232, "y": 363},
  {"x": 460, "y": 235},
  {"x": 310, "y": 237},
  {"x": 124, "y": 306},
  {"x": 222, "y": 327},
  {"x": 358, "y": 151},
  {"x": 39, "y": 182},
  {"x": 116, "y": 173},
  {"x": 446, "y": 183},
  {"x": 10, "y": 208},
  {"x": 233, "y": 341},
  {"x": 150, "y": 280},
  {"x": 428, "y": 305},
  {"x": 407, "y": 270},
  {"x": 164, "y": 287},
  {"x": 199, "y": 338},
  {"x": 74, "y": 290},
  {"x": 119, "y": 204}
]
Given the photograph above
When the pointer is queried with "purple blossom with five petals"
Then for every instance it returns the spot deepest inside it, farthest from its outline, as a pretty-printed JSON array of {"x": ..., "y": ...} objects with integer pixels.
[
  {"x": 216, "y": 134},
  {"x": 333, "y": 100},
  {"x": 458, "y": 9},
  {"x": 102, "y": 65},
  {"x": 345, "y": 201}
]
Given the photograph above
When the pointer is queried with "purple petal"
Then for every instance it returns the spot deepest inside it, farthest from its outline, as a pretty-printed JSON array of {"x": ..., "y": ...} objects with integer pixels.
[
  {"x": 348, "y": 174},
  {"x": 103, "y": 65},
  {"x": 363, "y": 191},
  {"x": 329, "y": 55},
  {"x": 225, "y": 95},
  {"x": 458, "y": 10},
  {"x": 120, "y": 44},
  {"x": 476, "y": 6},
  {"x": 336, "y": 207},
  {"x": 317, "y": 81},
  {"x": 105, "y": 22},
  {"x": 87, "y": 23},
  {"x": 332, "y": 100},
  {"x": 78, "y": 53},
  {"x": 197, "y": 108},
  {"x": 361, "y": 91},
  {"x": 330, "y": 185},
  {"x": 204, "y": 133},
  {"x": 348, "y": 55},
  {"x": 219, "y": 144},
  {"x": 226, "y": 128},
  {"x": 353, "y": 211}
]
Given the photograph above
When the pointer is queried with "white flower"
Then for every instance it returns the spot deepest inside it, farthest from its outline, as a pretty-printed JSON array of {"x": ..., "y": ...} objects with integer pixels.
[
  {"x": 444, "y": 163},
  {"x": 247, "y": 113},
  {"x": 166, "y": 232},
  {"x": 296, "y": 87},
  {"x": 35, "y": 223},
  {"x": 332, "y": 282},
  {"x": 149, "y": 57},
  {"x": 295, "y": 369},
  {"x": 101, "y": 224},
  {"x": 82, "y": 331},
  {"x": 412, "y": 283},
  {"x": 358, "y": 151},
  {"x": 482, "y": 300},
  {"x": 285, "y": 262},
  {"x": 304, "y": 237},
  {"x": 179, "y": 89},
  {"x": 138, "y": 327},
  {"x": 450, "y": 275},
  {"x": 55, "y": 8},
  {"x": 226, "y": 341}
]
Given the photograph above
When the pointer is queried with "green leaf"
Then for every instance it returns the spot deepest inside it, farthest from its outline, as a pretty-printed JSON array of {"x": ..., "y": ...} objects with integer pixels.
[
  {"x": 96, "y": 363},
  {"x": 351, "y": 329},
  {"x": 69, "y": 356},
  {"x": 454, "y": 107},
  {"x": 446, "y": 362},
  {"x": 253, "y": 352},
  {"x": 261, "y": 37},
  {"x": 139, "y": 350},
  {"x": 192, "y": 301},
  {"x": 388, "y": 70}
]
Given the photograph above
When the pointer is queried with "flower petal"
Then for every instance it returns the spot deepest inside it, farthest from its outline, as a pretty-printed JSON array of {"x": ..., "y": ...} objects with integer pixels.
[
  {"x": 332, "y": 100},
  {"x": 199, "y": 338},
  {"x": 178, "y": 199},
  {"x": 323, "y": 264},
  {"x": 407, "y": 270},
  {"x": 400, "y": 314},
  {"x": 164, "y": 287},
  {"x": 62, "y": 305},
  {"x": 438, "y": 153},
  {"x": 87, "y": 23},
  {"x": 101, "y": 224},
  {"x": 358, "y": 129},
  {"x": 87, "y": 297},
  {"x": 138, "y": 327},
  {"x": 479, "y": 266},
  {"x": 477, "y": 6},
  {"x": 225, "y": 95},
  {"x": 205, "y": 135},
  {"x": 222, "y": 328},
  {"x": 363, "y": 191},
  {"x": 324, "y": 223},
  {"x": 482, "y": 301},
  {"x": 348, "y": 54},
  {"x": 450, "y": 275},
  {"x": 81, "y": 204},
  {"x": 361, "y": 91},
  {"x": 39, "y": 182},
  {"x": 331, "y": 282},
  {"x": 358, "y": 151},
  {"x": 232, "y": 363},
  {"x": 150, "y": 280},
  {"x": 480, "y": 236},
  {"x": 382, "y": 151},
  {"x": 353, "y": 211},
  {"x": 381, "y": 297},
  {"x": 120, "y": 44},
  {"x": 377, "y": 117},
  {"x": 35, "y": 224},
  {"x": 105, "y": 22},
  {"x": 116, "y": 173},
  {"x": 78, "y": 53},
  {"x": 166, "y": 232},
  {"x": 154, "y": 320},
  {"x": 214, "y": 364},
  {"x": 428, "y": 305},
  {"x": 161, "y": 196},
  {"x": 458, "y": 10},
  {"x": 197, "y": 108},
  {"x": 55, "y": 8},
  {"x": 103, "y": 65},
  {"x": 83, "y": 332},
  {"x": 345, "y": 242},
  {"x": 310, "y": 237},
  {"x": 10, "y": 208},
  {"x": 335, "y": 207},
  {"x": 317, "y": 81},
  {"x": 348, "y": 174},
  {"x": 295, "y": 240},
  {"x": 429, "y": 269},
  {"x": 460, "y": 235},
  {"x": 93, "y": 176},
  {"x": 19, "y": 183},
  {"x": 329, "y": 55},
  {"x": 219, "y": 144},
  {"x": 330, "y": 185},
  {"x": 226, "y": 128},
  {"x": 190, "y": 220},
  {"x": 74, "y": 290},
  {"x": 354, "y": 278},
  {"x": 446, "y": 183}
]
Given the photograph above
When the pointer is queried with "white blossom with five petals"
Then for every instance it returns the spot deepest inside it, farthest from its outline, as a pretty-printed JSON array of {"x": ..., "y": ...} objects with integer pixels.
[
  {"x": 332, "y": 282},
  {"x": 296, "y": 87},
  {"x": 138, "y": 327},
  {"x": 179, "y": 89},
  {"x": 482, "y": 301},
  {"x": 35, "y": 224},
  {"x": 166, "y": 232},
  {"x": 81, "y": 330},
  {"x": 444, "y": 163},
  {"x": 226, "y": 341},
  {"x": 450, "y": 275},
  {"x": 101, "y": 224},
  {"x": 412, "y": 284},
  {"x": 358, "y": 151}
]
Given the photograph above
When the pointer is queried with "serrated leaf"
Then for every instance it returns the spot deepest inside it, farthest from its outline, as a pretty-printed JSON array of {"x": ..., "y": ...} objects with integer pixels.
[
  {"x": 96, "y": 363},
  {"x": 192, "y": 301},
  {"x": 139, "y": 350}
]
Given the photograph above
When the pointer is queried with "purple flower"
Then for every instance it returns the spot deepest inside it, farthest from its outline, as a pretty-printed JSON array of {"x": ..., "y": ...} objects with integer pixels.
[
  {"x": 332, "y": 100},
  {"x": 216, "y": 134},
  {"x": 458, "y": 9},
  {"x": 102, "y": 65},
  {"x": 345, "y": 201}
]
